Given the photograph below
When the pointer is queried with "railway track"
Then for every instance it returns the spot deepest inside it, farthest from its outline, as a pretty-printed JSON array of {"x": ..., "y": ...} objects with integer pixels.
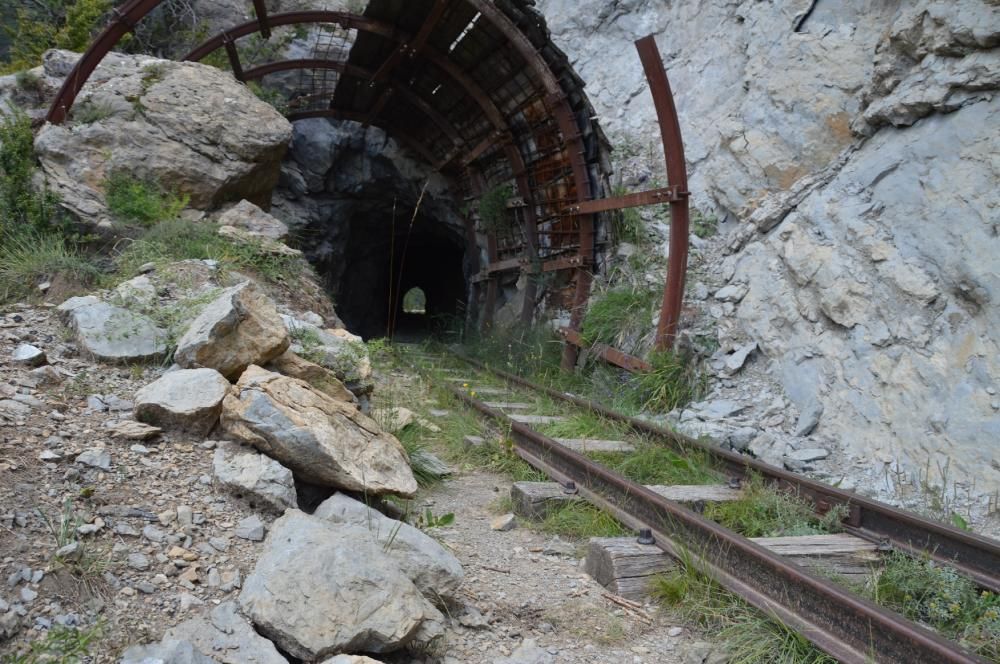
[{"x": 847, "y": 626}]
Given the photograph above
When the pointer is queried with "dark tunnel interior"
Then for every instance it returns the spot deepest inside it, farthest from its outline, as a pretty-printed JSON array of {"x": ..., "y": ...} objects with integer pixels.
[{"x": 428, "y": 257}]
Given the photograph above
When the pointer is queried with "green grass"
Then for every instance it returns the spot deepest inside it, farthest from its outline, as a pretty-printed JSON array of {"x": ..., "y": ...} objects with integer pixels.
[
  {"x": 177, "y": 239},
  {"x": 673, "y": 382},
  {"x": 747, "y": 635},
  {"x": 655, "y": 464},
  {"x": 617, "y": 315},
  {"x": 143, "y": 202},
  {"x": 763, "y": 511},
  {"x": 412, "y": 439},
  {"x": 581, "y": 520},
  {"x": 939, "y": 597},
  {"x": 60, "y": 645},
  {"x": 29, "y": 258},
  {"x": 583, "y": 424}
]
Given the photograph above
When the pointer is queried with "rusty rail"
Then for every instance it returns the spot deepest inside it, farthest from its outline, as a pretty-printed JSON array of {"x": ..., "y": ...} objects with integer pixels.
[
  {"x": 850, "y": 628},
  {"x": 972, "y": 555},
  {"x": 607, "y": 353}
]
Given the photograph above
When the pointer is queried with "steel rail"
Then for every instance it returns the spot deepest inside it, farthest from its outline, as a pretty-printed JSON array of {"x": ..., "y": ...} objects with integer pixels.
[
  {"x": 970, "y": 554},
  {"x": 849, "y": 628}
]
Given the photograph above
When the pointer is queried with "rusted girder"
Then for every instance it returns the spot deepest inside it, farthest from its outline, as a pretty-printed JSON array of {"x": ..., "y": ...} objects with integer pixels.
[
  {"x": 673, "y": 149},
  {"x": 260, "y": 9},
  {"x": 638, "y": 199},
  {"x": 607, "y": 353},
  {"x": 360, "y": 73},
  {"x": 234, "y": 60}
]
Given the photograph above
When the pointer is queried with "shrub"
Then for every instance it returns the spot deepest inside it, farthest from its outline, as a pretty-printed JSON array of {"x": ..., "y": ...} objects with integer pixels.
[
  {"x": 142, "y": 202},
  {"x": 22, "y": 207},
  {"x": 673, "y": 381},
  {"x": 28, "y": 258},
  {"x": 493, "y": 215},
  {"x": 611, "y": 316},
  {"x": 37, "y": 27}
]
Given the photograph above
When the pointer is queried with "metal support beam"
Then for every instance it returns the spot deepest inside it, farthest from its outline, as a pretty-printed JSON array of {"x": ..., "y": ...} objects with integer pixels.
[
  {"x": 260, "y": 9},
  {"x": 673, "y": 148},
  {"x": 639, "y": 199},
  {"x": 234, "y": 61},
  {"x": 607, "y": 353}
]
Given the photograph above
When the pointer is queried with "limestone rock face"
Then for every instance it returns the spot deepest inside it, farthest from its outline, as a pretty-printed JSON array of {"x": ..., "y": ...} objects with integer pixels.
[
  {"x": 253, "y": 475},
  {"x": 190, "y": 127},
  {"x": 341, "y": 594},
  {"x": 859, "y": 193},
  {"x": 323, "y": 440},
  {"x": 226, "y": 637},
  {"x": 110, "y": 333},
  {"x": 434, "y": 570},
  {"x": 239, "y": 328},
  {"x": 336, "y": 349}
]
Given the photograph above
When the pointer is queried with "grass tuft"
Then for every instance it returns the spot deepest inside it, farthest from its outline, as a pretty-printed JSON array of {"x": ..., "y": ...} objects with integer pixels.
[
  {"x": 655, "y": 464},
  {"x": 29, "y": 258},
  {"x": 581, "y": 520},
  {"x": 61, "y": 645},
  {"x": 764, "y": 511},
  {"x": 143, "y": 202}
]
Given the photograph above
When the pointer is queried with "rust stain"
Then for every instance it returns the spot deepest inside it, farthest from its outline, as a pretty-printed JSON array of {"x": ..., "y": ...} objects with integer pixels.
[{"x": 840, "y": 126}]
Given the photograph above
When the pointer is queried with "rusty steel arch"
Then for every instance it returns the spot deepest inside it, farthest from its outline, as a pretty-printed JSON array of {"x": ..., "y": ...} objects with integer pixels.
[{"x": 508, "y": 135}]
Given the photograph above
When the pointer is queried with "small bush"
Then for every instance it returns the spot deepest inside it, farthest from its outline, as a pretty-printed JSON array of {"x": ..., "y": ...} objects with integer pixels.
[
  {"x": 90, "y": 112},
  {"x": 674, "y": 381},
  {"x": 67, "y": 24},
  {"x": 143, "y": 202},
  {"x": 493, "y": 213},
  {"x": 612, "y": 314},
  {"x": 22, "y": 207}
]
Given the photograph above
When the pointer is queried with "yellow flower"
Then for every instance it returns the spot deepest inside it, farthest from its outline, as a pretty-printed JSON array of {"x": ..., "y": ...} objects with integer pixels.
[
  {"x": 465, "y": 384},
  {"x": 473, "y": 393}
]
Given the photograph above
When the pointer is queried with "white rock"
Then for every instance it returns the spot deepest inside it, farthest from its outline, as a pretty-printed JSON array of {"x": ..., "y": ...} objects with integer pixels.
[
  {"x": 255, "y": 476},
  {"x": 188, "y": 400},
  {"x": 28, "y": 355}
]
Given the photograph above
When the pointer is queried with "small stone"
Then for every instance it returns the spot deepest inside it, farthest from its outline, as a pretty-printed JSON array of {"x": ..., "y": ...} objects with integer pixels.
[
  {"x": 188, "y": 600},
  {"x": 139, "y": 449},
  {"x": 90, "y": 528},
  {"x": 809, "y": 419},
  {"x": 185, "y": 516},
  {"x": 28, "y": 356},
  {"x": 154, "y": 534},
  {"x": 124, "y": 529},
  {"x": 96, "y": 457},
  {"x": 675, "y": 631},
  {"x": 220, "y": 544},
  {"x": 145, "y": 587},
  {"x": 251, "y": 528},
  {"x": 132, "y": 430},
  {"x": 49, "y": 455},
  {"x": 504, "y": 523},
  {"x": 214, "y": 578},
  {"x": 70, "y": 553},
  {"x": 28, "y": 595},
  {"x": 138, "y": 561},
  {"x": 166, "y": 517},
  {"x": 809, "y": 454}
]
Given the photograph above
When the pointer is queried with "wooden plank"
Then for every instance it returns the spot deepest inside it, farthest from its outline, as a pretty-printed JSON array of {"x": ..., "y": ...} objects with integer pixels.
[
  {"x": 492, "y": 391},
  {"x": 537, "y": 419},
  {"x": 472, "y": 442},
  {"x": 696, "y": 496},
  {"x": 593, "y": 445},
  {"x": 534, "y": 500},
  {"x": 624, "y": 566},
  {"x": 507, "y": 405},
  {"x": 840, "y": 554}
]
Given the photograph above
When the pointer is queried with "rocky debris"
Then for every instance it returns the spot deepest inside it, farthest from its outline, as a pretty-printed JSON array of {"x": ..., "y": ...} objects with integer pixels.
[
  {"x": 336, "y": 349},
  {"x": 368, "y": 604},
  {"x": 430, "y": 464},
  {"x": 132, "y": 430},
  {"x": 527, "y": 653},
  {"x": 504, "y": 522},
  {"x": 350, "y": 659},
  {"x": 187, "y": 400},
  {"x": 168, "y": 651},
  {"x": 239, "y": 328},
  {"x": 324, "y": 380},
  {"x": 435, "y": 571},
  {"x": 255, "y": 476},
  {"x": 96, "y": 457},
  {"x": 180, "y": 140},
  {"x": 136, "y": 292},
  {"x": 110, "y": 333},
  {"x": 248, "y": 217},
  {"x": 226, "y": 637},
  {"x": 323, "y": 440},
  {"x": 264, "y": 244},
  {"x": 809, "y": 419},
  {"x": 28, "y": 355}
]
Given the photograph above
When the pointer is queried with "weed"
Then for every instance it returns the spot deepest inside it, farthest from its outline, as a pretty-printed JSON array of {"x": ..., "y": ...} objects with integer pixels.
[
  {"x": 939, "y": 597},
  {"x": 423, "y": 472},
  {"x": 764, "y": 511},
  {"x": 86, "y": 566},
  {"x": 493, "y": 213},
  {"x": 90, "y": 112},
  {"x": 655, "y": 464},
  {"x": 609, "y": 314},
  {"x": 144, "y": 202},
  {"x": 749, "y": 636},
  {"x": 28, "y": 81},
  {"x": 23, "y": 208},
  {"x": 429, "y": 520},
  {"x": 579, "y": 520},
  {"x": 61, "y": 645},
  {"x": 28, "y": 258},
  {"x": 152, "y": 74},
  {"x": 673, "y": 381},
  {"x": 627, "y": 223},
  {"x": 704, "y": 226}
]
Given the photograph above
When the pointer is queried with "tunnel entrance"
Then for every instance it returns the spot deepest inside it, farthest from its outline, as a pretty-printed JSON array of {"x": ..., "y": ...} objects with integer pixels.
[{"x": 415, "y": 301}]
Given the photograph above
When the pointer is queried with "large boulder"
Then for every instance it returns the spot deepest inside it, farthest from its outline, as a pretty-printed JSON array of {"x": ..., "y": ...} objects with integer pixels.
[
  {"x": 433, "y": 569},
  {"x": 191, "y": 128},
  {"x": 227, "y": 637},
  {"x": 239, "y": 328},
  {"x": 248, "y": 217},
  {"x": 324, "y": 380},
  {"x": 336, "y": 349},
  {"x": 325, "y": 441},
  {"x": 255, "y": 476},
  {"x": 340, "y": 594},
  {"x": 112, "y": 334},
  {"x": 187, "y": 400}
]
